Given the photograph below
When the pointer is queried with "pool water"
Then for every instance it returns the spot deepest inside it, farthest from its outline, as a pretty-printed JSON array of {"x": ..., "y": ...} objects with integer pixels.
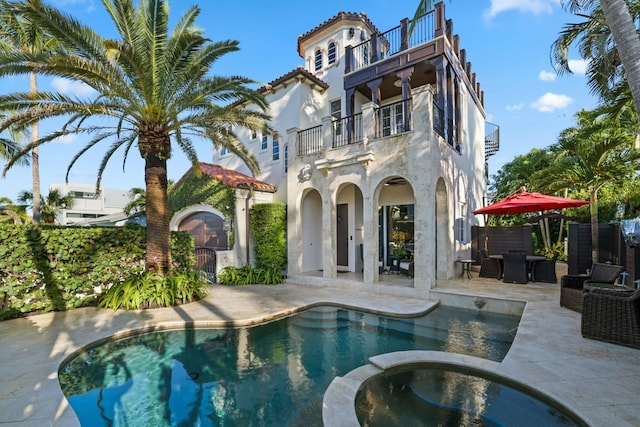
[
  {"x": 273, "y": 374},
  {"x": 452, "y": 396}
]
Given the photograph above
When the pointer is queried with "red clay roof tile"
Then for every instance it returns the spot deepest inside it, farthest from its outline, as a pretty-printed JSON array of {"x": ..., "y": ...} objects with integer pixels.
[{"x": 235, "y": 179}]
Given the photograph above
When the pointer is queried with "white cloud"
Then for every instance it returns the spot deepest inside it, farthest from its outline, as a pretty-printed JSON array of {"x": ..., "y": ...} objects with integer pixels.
[
  {"x": 527, "y": 6},
  {"x": 66, "y": 139},
  {"x": 547, "y": 76},
  {"x": 515, "y": 107},
  {"x": 578, "y": 66},
  {"x": 70, "y": 87},
  {"x": 549, "y": 102}
]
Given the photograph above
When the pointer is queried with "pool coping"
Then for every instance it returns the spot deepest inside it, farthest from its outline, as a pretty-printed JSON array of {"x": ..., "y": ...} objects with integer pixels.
[{"x": 339, "y": 402}]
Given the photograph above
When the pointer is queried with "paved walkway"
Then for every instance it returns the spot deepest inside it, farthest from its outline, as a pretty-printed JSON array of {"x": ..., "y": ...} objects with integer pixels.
[{"x": 599, "y": 381}]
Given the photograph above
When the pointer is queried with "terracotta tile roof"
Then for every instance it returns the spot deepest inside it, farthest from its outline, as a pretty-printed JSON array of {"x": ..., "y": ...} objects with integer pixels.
[
  {"x": 341, "y": 16},
  {"x": 234, "y": 179},
  {"x": 300, "y": 71}
]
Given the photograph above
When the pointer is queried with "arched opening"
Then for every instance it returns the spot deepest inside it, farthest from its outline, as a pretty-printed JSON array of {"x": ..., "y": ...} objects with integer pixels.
[
  {"x": 349, "y": 222},
  {"x": 208, "y": 230},
  {"x": 396, "y": 216},
  {"x": 311, "y": 217}
]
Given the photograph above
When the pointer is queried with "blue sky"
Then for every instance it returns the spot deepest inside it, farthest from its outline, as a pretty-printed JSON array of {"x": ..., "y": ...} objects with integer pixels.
[{"x": 508, "y": 43}]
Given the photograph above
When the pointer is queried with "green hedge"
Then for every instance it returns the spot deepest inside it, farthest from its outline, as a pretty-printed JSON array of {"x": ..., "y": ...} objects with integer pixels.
[
  {"x": 51, "y": 268},
  {"x": 268, "y": 228}
]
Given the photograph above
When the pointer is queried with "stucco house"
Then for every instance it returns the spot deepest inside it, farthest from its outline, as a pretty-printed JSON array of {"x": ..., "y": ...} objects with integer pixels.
[{"x": 381, "y": 155}]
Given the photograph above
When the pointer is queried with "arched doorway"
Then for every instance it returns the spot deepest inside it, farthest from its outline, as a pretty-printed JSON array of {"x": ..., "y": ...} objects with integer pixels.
[
  {"x": 208, "y": 230},
  {"x": 311, "y": 217},
  {"x": 349, "y": 226}
]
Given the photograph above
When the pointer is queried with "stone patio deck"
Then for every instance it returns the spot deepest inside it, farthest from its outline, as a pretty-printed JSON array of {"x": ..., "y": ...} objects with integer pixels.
[{"x": 599, "y": 381}]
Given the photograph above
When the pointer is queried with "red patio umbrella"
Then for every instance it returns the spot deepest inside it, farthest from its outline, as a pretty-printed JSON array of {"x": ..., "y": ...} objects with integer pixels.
[{"x": 524, "y": 201}]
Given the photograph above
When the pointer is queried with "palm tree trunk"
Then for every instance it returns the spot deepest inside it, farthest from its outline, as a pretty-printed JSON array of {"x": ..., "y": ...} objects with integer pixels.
[
  {"x": 624, "y": 33},
  {"x": 157, "y": 212},
  {"x": 561, "y": 230},
  {"x": 35, "y": 161},
  {"x": 543, "y": 233},
  {"x": 595, "y": 236}
]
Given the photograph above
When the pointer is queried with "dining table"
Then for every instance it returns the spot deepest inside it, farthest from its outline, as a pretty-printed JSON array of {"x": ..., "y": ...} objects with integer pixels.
[{"x": 531, "y": 261}]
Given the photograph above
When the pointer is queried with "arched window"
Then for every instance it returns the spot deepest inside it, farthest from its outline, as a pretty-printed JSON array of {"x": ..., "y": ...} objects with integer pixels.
[
  {"x": 318, "y": 60},
  {"x": 331, "y": 56}
]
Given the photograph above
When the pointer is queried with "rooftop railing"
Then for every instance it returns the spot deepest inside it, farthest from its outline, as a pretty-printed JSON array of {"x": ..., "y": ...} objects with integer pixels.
[{"x": 389, "y": 43}]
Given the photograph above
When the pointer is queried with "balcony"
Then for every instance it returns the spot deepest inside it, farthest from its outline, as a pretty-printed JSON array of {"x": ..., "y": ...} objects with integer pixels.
[{"x": 388, "y": 120}]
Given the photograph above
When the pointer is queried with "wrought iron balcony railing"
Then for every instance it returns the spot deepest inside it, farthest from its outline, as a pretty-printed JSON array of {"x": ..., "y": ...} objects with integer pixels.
[{"x": 347, "y": 130}]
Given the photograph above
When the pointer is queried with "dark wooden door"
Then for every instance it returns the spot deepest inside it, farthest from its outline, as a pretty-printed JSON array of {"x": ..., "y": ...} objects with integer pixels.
[{"x": 342, "y": 238}]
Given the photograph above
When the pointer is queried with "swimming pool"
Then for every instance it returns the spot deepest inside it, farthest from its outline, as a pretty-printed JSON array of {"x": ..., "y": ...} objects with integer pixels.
[{"x": 273, "y": 374}]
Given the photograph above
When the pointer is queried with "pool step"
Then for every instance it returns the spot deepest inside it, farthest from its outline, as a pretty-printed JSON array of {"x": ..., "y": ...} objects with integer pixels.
[{"x": 321, "y": 318}]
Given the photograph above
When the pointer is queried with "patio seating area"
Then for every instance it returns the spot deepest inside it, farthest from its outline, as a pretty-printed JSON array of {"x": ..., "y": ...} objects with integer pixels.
[{"x": 597, "y": 380}]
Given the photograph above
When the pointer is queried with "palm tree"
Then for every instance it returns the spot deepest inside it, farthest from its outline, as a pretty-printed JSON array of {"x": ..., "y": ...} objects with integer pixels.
[
  {"x": 19, "y": 35},
  {"x": 138, "y": 201},
  {"x": 9, "y": 147},
  {"x": 10, "y": 212},
  {"x": 51, "y": 205},
  {"x": 596, "y": 152},
  {"x": 153, "y": 92},
  {"x": 619, "y": 17}
]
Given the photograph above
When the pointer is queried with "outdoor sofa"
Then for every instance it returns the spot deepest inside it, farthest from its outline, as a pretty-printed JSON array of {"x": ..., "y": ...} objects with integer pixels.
[{"x": 572, "y": 285}]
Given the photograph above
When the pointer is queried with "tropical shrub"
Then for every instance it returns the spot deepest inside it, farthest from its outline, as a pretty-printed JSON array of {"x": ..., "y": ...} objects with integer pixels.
[
  {"x": 249, "y": 275},
  {"x": 148, "y": 289}
]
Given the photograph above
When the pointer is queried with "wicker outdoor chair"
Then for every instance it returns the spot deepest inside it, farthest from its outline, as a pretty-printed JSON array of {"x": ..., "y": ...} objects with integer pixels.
[
  {"x": 545, "y": 271},
  {"x": 612, "y": 316},
  {"x": 572, "y": 286},
  {"x": 515, "y": 268},
  {"x": 489, "y": 267}
]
